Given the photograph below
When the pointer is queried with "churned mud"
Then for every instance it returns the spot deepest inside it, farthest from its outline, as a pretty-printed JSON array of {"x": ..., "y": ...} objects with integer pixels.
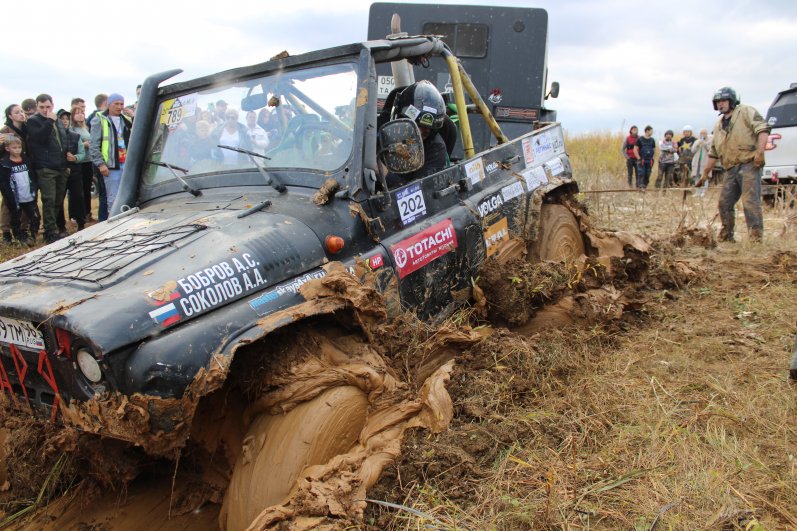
[{"x": 302, "y": 442}]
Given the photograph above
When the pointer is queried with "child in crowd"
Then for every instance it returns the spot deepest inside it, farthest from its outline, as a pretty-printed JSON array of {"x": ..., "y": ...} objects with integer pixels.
[{"x": 18, "y": 187}]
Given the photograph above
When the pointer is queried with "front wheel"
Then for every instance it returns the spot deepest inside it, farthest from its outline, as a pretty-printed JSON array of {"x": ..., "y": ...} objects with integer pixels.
[
  {"x": 559, "y": 237},
  {"x": 278, "y": 447}
]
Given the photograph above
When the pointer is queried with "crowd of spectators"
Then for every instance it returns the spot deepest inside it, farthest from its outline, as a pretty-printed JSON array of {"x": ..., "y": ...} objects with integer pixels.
[
  {"x": 680, "y": 162},
  {"x": 56, "y": 157}
]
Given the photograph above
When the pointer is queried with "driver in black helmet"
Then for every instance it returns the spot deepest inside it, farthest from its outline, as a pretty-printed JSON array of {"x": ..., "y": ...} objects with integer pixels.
[{"x": 422, "y": 103}]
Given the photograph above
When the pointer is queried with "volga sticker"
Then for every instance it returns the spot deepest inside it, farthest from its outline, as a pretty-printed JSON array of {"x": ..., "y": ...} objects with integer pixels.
[
  {"x": 528, "y": 151},
  {"x": 475, "y": 170},
  {"x": 410, "y": 203},
  {"x": 424, "y": 247},
  {"x": 492, "y": 167},
  {"x": 490, "y": 205},
  {"x": 535, "y": 177},
  {"x": 494, "y": 234},
  {"x": 555, "y": 166},
  {"x": 512, "y": 191}
]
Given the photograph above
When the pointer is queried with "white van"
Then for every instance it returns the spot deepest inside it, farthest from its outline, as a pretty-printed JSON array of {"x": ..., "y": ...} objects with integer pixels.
[{"x": 781, "y": 150}]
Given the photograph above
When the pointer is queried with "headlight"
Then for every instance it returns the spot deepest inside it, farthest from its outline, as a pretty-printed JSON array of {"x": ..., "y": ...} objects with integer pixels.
[{"x": 89, "y": 366}]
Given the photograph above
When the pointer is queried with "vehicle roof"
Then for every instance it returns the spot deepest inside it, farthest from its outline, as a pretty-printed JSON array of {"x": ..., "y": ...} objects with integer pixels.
[{"x": 383, "y": 50}]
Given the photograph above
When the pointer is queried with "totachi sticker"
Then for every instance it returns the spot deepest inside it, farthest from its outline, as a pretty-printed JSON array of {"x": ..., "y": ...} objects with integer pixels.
[
  {"x": 475, "y": 170},
  {"x": 528, "y": 151},
  {"x": 424, "y": 247},
  {"x": 410, "y": 203},
  {"x": 494, "y": 234}
]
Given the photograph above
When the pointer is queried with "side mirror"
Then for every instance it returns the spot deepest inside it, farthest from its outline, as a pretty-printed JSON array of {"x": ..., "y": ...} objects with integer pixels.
[
  {"x": 554, "y": 92},
  {"x": 400, "y": 146}
]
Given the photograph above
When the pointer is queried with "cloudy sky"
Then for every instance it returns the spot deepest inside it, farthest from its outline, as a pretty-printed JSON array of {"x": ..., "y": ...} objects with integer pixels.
[{"x": 618, "y": 62}]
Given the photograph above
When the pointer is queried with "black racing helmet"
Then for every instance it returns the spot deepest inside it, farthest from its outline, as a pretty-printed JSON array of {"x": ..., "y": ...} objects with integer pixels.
[
  {"x": 725, "y": 93},
  {"x": 422, "y": 103}
]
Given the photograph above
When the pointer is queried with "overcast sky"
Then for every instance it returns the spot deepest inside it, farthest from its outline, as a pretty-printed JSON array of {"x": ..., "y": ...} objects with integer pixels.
[{"x": 618, "y": 62}]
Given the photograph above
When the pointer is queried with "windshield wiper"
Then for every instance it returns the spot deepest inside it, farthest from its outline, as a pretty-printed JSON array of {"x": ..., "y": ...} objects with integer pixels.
[
  {"x": 171, "y": 167},
  {"x": 271, "y": 180}
]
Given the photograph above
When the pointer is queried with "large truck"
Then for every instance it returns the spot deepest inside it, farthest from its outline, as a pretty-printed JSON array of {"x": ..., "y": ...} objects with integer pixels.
[
  {"x": 503, "y": 49},
  {"x": 141, "y": 327}
]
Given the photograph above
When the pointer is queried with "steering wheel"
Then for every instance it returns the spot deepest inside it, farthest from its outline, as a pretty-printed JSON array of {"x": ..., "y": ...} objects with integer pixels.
[{"x": 322, "y": 140}]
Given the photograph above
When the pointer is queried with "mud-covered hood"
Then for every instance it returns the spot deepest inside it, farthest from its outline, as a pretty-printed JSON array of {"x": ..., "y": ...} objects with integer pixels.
[{"x": 124, "y": 280}]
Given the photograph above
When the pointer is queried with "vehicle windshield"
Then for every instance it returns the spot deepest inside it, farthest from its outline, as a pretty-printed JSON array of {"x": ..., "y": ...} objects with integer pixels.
[{"x": 299, "y": 119}]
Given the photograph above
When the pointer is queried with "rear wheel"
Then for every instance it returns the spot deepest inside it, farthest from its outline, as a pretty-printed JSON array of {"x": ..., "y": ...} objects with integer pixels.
[
  {"x": 559, "y": 237},
  {"x": 278, "y": 447}
]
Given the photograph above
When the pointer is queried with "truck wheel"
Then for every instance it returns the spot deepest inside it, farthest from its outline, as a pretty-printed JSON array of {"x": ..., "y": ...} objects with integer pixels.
[
  {"x": 559, "y": 237},
  {"x": 278, "y": 447}
]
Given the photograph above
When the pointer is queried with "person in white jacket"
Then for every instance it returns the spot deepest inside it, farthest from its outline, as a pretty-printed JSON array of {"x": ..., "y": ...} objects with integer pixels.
[{"x": 700, "y": 150}]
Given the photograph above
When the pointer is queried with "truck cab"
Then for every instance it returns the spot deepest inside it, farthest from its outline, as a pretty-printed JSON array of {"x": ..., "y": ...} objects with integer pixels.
[{"x": 503, "y": 49}]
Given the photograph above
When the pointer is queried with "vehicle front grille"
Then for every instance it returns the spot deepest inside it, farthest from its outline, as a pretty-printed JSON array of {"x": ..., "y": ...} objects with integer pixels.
[{"x": 37, "y": 389}]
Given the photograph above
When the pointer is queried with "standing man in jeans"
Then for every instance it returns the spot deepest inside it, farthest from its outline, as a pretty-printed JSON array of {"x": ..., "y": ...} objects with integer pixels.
[
  {"x": 740, "y": 137},
  {"x": 48, "y": 150},
  {"x": 110, "y": 135},
  {"x": 644, "y": 151}
]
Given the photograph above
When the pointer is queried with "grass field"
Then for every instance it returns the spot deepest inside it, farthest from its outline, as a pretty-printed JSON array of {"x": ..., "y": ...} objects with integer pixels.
[
  {"x": 681, "y": 416},
  {"x": 678, "y": 415}
]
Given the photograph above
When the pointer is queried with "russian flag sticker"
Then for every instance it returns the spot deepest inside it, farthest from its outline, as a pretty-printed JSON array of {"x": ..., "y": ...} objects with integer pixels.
[{"x": 165, "y": 315}]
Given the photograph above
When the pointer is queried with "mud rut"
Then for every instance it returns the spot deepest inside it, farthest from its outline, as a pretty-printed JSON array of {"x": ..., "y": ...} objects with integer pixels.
[{"x": 361, "y": 385}]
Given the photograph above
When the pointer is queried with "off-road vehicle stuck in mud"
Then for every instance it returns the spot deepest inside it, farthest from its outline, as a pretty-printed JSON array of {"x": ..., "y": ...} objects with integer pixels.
[{"x": 136, "y": 328}]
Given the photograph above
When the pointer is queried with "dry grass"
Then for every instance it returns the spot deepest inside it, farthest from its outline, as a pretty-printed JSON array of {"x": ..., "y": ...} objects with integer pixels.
[{"x": 683, "y": 418}]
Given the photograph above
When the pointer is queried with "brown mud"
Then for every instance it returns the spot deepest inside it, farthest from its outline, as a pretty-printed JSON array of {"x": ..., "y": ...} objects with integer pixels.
[{"x": 391, "y": 384}]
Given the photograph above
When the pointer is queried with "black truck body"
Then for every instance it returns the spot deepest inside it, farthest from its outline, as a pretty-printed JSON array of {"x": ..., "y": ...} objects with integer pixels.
[
  {"x": 175, "y": 283},
  {"x": 503, "y": 49}
]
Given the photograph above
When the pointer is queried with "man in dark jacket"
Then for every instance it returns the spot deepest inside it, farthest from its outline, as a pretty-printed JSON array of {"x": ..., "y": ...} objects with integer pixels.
[{"x": 48, "y": 151}]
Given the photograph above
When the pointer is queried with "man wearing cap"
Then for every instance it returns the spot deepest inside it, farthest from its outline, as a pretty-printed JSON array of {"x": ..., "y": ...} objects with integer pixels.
[
  {"x": 110, "y": 135},
  {"x": 740, "y": 137},
  {"x": 49, "y": 151}
]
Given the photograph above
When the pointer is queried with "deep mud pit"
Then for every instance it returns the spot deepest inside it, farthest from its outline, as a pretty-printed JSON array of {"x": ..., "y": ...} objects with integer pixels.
[{"x": 362, "y": 384}]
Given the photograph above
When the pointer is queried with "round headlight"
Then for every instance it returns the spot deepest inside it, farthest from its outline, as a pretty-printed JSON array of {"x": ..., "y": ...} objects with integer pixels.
[{"x": 89, "y": 366}]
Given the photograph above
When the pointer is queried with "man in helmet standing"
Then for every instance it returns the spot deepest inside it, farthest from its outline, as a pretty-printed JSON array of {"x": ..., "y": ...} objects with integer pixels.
[
  {"x": 740, "y": 136},
  {"x": 422, "y": 103}
]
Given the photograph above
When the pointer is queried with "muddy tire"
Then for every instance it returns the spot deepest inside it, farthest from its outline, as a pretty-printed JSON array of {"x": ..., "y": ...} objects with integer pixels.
[
  {"x": 559, "y": 236},
  {"x": 278, "y": 447}
]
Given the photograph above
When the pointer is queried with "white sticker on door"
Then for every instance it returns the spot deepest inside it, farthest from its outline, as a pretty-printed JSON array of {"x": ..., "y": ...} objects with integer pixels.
[{"x": 410, "y": 203}]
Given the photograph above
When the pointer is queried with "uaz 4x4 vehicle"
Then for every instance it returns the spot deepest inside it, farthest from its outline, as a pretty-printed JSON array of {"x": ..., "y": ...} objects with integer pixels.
[{"x": 209, "y": 244}]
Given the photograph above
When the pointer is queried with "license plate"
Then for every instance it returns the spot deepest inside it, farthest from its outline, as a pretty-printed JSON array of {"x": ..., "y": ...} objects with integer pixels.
[{"x": 21, "y": 333}]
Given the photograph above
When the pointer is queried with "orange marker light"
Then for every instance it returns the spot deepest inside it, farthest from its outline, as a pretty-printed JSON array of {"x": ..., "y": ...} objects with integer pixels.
[{"x": 334, "y": 244}]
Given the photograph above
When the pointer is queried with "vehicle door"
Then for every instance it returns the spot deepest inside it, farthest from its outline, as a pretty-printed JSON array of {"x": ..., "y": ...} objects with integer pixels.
[{"x": 431, "y": 238}]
